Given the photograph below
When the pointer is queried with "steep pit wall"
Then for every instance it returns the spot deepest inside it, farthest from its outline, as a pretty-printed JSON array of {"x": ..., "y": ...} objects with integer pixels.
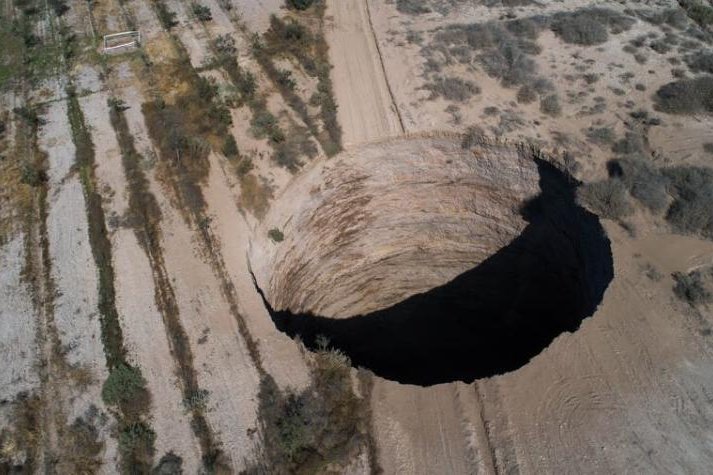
[{"x": 427, "y": 262}]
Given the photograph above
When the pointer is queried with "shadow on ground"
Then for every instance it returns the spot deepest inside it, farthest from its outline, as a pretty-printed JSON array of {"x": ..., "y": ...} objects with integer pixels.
[{"x": 491, "y": 319}]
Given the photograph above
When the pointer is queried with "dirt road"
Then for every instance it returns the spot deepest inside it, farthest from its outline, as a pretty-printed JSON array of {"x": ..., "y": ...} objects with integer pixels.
[{"x": 366, "y": 109}]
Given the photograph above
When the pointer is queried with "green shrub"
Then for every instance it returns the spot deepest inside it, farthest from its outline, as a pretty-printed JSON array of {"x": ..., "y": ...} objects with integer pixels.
[
  {"x": 230, "y": 147},
  {"x": 276, "y": 235},
  {"x": 686, "y": 96},
  {"x": 124, "y": 384},
  {"x": 201, "y": 12},
  {"x": 264, "y": 125},
  {"x": 307, "y": 431},
  {"x": 165, "y": 16},
  {"x": 32, "y": 175},
  {"x": 136, "y": 437},
  {"x": 299, "y": 4},
  {"x": 606, "y": 198}
]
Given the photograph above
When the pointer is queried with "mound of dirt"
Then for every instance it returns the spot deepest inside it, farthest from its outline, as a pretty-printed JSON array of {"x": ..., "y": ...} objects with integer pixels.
[{"x": 427, "y": 262}]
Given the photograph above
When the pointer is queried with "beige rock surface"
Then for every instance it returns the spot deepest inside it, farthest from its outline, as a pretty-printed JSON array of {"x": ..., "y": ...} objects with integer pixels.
[{"x": 366, "y": 229}]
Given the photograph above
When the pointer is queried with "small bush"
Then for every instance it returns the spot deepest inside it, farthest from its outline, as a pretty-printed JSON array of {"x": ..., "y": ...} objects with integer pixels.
[
  {"x": 276, "y": 235},
  {"x": 580, "y": 30},
  {"x": 170, "y": 464},
  {"x": 692, "y": 191},
  {"x": 631, "y": 143},
  {"x": 686, "y": 96},
  {"x": 708, "y": 147},
  {"x": 526, "y": 95},
  {"x": 230, "y": 147},
  {"x": 606, "y": 198},
  {"x": 284, "y": 79},
  {"x": 264, "y": 125},
  {"x": 124, "y": 384},
  {"x": 646, "y": 184},
  {"x": 165, "y": 16},
  {"x": 299, "y": 4},
  {"x": 600, "y": 135},
  {"x": 589, "y": 26},
  {"x": 201, "y": 12},
  {"x": 701, "y": 62},
  {"x": 32, "y": 175},
  {"x": 691, "y": 288},
  {"x": 452, "y": 89},
  {"x": 698, "y": 12},
  {"x": 136, "y": 437},
  {"x": 674, "y": 17},
  {"x": 550, "y": 105},
  {"x": 412, "y": 7}
]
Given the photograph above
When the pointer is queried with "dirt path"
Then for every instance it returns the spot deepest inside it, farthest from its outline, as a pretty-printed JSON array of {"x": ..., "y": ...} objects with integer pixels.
[{"x": 366, "y": 107}]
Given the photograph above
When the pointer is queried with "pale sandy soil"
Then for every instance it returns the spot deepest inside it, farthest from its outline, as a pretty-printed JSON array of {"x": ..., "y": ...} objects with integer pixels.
[
  {"x": 223, "y": 363},
  {"x": 18, "y": 326},
  {"x": 233, "y": 232},
  {"x": 73, "y": 271},
  {"x": 256, "y": 13}
]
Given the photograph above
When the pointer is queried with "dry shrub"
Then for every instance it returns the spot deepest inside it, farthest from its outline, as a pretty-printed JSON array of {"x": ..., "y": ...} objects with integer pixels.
[
  {"x": 452, "y": 89},
  {"x": 589, "y": 26},
  {"x": 255, "y": 195},
  {"x": 692, "y": 192},
  {"x": 550, "y": 105},
  {"x": 686, "y": 96},
  {"x": 692, "y": 288},
  {"x": 324, "y": 425},
  {"x": 645, "y": 183},
  {"x": 20, "y": 440},
  {"x": 607, "y": 198}
]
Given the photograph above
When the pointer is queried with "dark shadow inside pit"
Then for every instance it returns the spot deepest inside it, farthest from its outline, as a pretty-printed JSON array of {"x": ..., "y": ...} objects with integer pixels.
[{"x": 493, "y": 318}]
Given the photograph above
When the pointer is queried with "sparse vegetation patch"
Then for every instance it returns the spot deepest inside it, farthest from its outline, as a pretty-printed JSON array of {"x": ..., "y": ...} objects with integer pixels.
[
  {"x": 686, "y": 96},
  {"x": 133, "y": 407},
  {"x": 694, "y": 287},
  {"x": 323, "y": 426}
]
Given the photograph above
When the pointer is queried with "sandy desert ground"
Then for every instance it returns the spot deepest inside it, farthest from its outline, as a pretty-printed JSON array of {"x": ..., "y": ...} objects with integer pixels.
[{"x": 149, "y": 194}]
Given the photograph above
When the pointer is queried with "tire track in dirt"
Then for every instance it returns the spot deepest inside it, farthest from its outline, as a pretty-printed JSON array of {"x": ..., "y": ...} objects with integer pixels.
[
  {"x": 383, "y": 67},
  {"x": 367, "y": 110}
]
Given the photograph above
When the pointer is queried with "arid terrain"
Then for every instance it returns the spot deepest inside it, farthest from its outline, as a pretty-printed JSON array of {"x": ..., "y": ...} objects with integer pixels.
[{"x": 356, "y": 236}]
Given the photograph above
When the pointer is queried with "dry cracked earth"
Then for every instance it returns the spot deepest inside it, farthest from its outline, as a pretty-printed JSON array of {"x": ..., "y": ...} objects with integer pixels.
[{"x": 356, "y": 236}]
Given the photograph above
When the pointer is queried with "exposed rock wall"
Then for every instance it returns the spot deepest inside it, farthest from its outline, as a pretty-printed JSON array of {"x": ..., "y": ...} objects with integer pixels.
[{"x": 388, "y": 220}]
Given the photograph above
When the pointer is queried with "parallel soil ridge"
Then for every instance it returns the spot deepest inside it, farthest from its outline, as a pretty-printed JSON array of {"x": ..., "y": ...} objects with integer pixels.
[{"x": 454, "y": 263}]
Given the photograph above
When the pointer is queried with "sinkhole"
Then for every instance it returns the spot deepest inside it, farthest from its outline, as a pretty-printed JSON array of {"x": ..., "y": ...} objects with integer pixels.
[{"x": 427, "y": 262}]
